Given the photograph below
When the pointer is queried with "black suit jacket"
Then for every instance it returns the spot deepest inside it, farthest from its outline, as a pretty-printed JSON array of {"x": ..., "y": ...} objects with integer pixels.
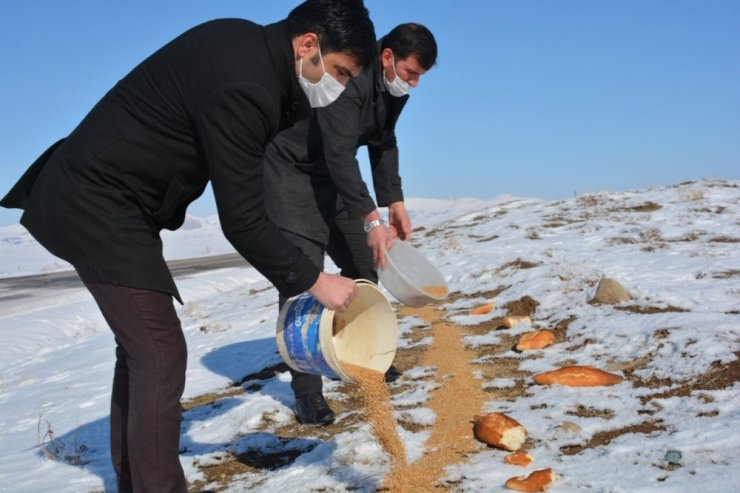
[
  {"x": 314, "y": 162},
  {"x": 203, "y": 107}
]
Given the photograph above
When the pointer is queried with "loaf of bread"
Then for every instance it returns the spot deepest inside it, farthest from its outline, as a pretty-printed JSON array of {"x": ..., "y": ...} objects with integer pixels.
[
  {"x": 500, "y": 430},
  {"x": 577, "y": 376},
  {"x": 510, "y": 321},
  {"x": 537, "y": 481},
  {"x": 482, "y": 310},
  {"x": 537, "y": 339},
  {"x": 519, "y": 458}
]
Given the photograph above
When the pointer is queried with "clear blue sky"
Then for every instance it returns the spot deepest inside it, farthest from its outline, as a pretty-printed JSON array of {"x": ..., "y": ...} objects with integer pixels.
[{"x": 531, "y": 98}]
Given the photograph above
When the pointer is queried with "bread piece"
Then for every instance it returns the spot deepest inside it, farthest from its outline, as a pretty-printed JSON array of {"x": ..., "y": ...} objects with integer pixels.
[
  {"x": 482, "y": 310},
  {"x": 537, "y": 481},
  {"x": 513, "y": 320},
  {"x": 500, "y": 431},
  {"x": 519, "y": 458},
  {"x": 537, "y": 339},
  {"x": 578, "y": 376}
]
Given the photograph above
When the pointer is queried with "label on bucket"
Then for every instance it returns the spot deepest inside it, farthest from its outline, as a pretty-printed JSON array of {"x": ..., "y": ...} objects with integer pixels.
[{"x": 302, "y": 336}]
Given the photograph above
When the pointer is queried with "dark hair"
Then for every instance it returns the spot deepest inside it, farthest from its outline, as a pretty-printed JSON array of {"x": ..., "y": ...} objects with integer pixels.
[
  {"x": 341, "y": 25},
  {"x": 412, "y": 39}
]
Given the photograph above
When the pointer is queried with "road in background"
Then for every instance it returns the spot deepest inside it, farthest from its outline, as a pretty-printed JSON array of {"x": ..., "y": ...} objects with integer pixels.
[{"x": 15, "y": 288}]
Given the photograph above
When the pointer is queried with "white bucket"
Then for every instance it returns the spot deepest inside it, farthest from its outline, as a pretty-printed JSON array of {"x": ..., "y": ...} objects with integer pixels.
[
  {"x": 314, "y": 339},
  {"x": 410, "y": 277}
]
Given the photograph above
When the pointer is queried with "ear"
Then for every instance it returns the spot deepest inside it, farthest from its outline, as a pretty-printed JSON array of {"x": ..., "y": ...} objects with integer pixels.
[
  {"x": 386, "y": 57},
  {"x": 304, "y": 45}
]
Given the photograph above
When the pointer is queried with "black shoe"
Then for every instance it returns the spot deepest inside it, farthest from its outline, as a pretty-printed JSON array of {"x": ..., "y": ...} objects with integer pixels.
[
  {"x": 312, "y": 409},
  {"x": 393, "y": 374}
]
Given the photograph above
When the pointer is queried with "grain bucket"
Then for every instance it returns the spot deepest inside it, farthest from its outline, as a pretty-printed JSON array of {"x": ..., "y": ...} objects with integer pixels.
[{"x": 314, "y": 339}]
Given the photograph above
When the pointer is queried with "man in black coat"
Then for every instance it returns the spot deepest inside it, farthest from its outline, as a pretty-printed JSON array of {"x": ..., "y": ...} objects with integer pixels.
[
  {"x": 315, "y": 192},
  {"x": 203, "y": 107}
]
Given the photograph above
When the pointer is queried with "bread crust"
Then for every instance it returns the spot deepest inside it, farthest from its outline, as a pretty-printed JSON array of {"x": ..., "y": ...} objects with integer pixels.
[
  {"x": 500, "y": 430},
  {"x": 577, "y": 376},
  {"x": 519, "y": 458},
  {"x": 537, "y": 339},
  {"x": 537, "y": 481},
  {"x": 482, "y": 309}
]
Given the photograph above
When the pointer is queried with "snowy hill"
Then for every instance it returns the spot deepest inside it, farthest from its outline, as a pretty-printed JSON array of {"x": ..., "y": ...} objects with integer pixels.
[{"x": 671, "y": 425}]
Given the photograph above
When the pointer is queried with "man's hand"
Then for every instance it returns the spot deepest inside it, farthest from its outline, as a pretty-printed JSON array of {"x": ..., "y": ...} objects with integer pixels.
[
  {"x": 334, "y": 292},
  {"x": 399, "y": 220},
  {"x": 379, "y": 239}
]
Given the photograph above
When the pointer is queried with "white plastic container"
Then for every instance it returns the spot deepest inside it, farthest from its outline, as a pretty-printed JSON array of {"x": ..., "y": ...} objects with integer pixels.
[
  {"x": 314, "y": 339},
  {"x": 410, "y": 277}
]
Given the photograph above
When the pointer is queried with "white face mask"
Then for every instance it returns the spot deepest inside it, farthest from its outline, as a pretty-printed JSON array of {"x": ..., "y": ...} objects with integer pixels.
[
  {"x": 325, "y": 91},
  {"x": 398, "y": 87}
]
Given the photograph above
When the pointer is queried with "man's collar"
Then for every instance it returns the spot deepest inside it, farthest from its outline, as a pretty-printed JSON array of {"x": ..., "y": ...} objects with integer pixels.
[{"x": 280, "y": 45}]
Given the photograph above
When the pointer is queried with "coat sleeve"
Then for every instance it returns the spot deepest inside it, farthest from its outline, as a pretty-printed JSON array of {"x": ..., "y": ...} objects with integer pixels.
[
  {"x": 234, "y": 130},
  {"x": 384, "y": 166},
  {"x": 339, "y": 126}
]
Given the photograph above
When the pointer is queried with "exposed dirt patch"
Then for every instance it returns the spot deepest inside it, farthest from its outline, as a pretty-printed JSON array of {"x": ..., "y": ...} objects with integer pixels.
[
  {"x": 561, "y": 329},
  {"x": 727, "y": 274},
  {"x": 237, "y": 388},
  {"x": 479, "y": 219},
  {"x": 523, "y": 306},
  {"x": 518, "y": 264},
  {"x": 220, "y": 474},
  {"x": 646, "y": 207},
  {"x": 260, "y": 459},
  {"x": 724, "y": 239},
  {"x": 496, "y": 323},
  {"x": 630, "y": 366},
  {"x": 210, "y": 398},
  {"x": 646, "y": 310},
  {"x": 590, "y": 412},
  {"x": 557, "y": 220},
  {"x": 482, "y": 239},
  {"x": 721, "y": 184},
  {"x": 622, "y": 240},
  {"x": 282, "y": 452},
  {"x": 433, "y": 232},
  {"x": 719, "y": 376},
  {"x": 490, "y": 294},
  {"x": 580, "y": 345},
  {"x": 708, "y": 414},
  {"x": 663, "y": 333},
  {"x": 605, "y": 437},
  {"x": 588, "y": 200},
  {"x": 255, "y": 291}
]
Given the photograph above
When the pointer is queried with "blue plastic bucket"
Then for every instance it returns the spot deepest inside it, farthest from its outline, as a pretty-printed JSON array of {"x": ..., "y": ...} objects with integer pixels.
[{"x": 314, "y": 339}]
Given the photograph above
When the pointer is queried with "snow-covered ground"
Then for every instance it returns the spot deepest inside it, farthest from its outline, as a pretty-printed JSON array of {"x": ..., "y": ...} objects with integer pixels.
[{"x": 675, "y": 248}]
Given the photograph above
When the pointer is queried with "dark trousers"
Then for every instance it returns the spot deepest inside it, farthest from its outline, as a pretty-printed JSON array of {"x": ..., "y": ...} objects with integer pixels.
[
  {"x": 348, "y": 249},
  {"x": 149, "y": 378}
]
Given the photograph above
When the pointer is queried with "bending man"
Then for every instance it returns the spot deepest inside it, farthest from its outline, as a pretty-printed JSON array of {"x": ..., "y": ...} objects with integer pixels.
[
  {"x": 202, "y": 108},
  {"x": 315, "y": 192}
]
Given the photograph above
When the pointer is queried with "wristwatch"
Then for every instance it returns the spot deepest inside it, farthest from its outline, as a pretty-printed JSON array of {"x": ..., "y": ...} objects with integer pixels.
[{"x": 371, "y": 225}]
